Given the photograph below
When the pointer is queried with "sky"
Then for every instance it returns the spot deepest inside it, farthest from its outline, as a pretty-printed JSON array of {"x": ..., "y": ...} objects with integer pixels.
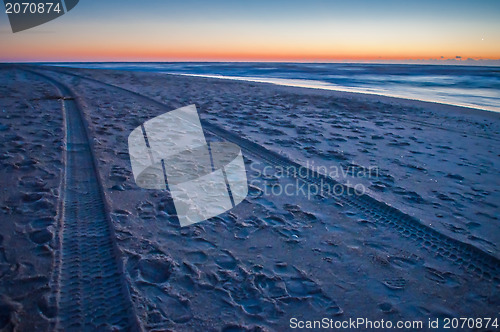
[{"x": 262, "y": 30}]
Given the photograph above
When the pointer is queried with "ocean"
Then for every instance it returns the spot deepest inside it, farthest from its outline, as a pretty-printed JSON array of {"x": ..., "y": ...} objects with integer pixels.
[{"x": 469, "y": 86}]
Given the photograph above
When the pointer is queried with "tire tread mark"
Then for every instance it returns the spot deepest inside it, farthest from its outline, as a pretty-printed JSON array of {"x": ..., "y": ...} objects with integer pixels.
[{"x": 92, "y": 292}]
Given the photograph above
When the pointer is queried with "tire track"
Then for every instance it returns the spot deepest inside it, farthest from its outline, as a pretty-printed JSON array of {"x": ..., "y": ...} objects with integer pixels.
[
  {"x": 92, "y": 292},
  {"x": 470, "y": 258}
]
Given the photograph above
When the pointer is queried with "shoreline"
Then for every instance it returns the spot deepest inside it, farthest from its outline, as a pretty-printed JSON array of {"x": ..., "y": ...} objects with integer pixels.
[
  {"x": 366, "y": 96},
  {"x": 317, "y": 83},
  {"x": 328, "y": 87}
]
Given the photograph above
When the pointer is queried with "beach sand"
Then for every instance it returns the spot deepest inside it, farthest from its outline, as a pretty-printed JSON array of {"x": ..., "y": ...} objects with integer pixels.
[{"x": 82, "y": 246}]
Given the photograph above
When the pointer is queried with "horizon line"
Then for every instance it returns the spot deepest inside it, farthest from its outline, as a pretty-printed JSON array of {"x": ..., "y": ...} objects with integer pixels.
[{"x": 451, "y": 62}]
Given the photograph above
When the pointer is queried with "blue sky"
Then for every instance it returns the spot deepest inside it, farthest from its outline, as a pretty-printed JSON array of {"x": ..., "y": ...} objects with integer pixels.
[{"x": 155, "y": 30}]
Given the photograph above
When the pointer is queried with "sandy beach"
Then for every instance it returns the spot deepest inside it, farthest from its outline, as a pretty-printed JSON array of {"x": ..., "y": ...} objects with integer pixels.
[{"x": 83, "y": 247}]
